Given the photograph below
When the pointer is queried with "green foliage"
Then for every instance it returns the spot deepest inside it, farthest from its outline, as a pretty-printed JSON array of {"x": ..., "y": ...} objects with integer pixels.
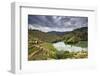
[
  {"x": 83, "y": 44},
  {"x": 76, "y": 36},
  {"x": 64, "y": 54},
  {"x": 72, "y": 40},
  {"x": 59, "y": 54},
  {"x": 68, "y": 54},
  {"x": 71, "y": 55}
]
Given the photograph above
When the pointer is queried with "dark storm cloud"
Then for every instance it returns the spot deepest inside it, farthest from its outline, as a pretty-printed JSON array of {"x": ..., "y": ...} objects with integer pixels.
[{"x": 56, "y": 23}]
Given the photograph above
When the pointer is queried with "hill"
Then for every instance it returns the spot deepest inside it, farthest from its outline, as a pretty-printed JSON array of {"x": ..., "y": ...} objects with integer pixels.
[
  {"x": 79, "y": 34},
  {"x": 46, "y": 37}
]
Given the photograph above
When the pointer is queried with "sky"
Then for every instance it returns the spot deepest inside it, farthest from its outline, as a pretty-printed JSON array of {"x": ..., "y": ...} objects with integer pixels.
[{"x": 56, "y": 23}]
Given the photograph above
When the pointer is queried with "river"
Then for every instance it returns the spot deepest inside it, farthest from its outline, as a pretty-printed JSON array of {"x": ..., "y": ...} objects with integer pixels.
[{"x": 61, "y": 46}]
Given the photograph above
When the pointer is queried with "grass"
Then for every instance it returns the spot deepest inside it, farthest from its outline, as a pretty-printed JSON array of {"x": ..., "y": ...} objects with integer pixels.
[
  {"x": 48, "y": 46},
  {"x": 51, "y": 49}
]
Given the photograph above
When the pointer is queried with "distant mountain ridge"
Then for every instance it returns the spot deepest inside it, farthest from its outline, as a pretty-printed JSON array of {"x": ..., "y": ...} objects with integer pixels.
[
  {"x": 63, "y": 32},
  {"x": 57, "y": 33}
]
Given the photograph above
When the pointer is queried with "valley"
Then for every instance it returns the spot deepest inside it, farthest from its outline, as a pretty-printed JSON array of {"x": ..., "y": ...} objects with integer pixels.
[{"x": 57, "y": 45}]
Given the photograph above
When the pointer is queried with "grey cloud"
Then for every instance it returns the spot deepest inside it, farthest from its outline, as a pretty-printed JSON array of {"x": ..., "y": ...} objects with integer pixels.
[{"x": 67, "y": 22}]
